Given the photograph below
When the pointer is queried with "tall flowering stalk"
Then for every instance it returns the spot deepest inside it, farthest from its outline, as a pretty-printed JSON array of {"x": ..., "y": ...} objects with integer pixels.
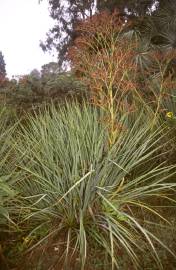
[{"x": 104, "y": 59}]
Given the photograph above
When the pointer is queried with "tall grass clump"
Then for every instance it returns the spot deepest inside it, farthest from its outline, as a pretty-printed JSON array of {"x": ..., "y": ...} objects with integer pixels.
[
  {"x": 7, "y": 192},
  {"x": 81, "y": 197},
  {"x": 7, "y": 128}
]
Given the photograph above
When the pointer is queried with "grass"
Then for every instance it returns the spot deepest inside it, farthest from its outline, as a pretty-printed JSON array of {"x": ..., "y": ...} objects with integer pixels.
[
  {"x": 85, "y": 198},
  {"x": 6, "y": 191}
]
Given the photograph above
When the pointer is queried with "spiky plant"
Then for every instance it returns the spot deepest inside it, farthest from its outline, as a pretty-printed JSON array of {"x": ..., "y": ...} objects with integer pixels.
[
  {"x": 7, "y": 127},
  {"x": 78, "y": 193}
]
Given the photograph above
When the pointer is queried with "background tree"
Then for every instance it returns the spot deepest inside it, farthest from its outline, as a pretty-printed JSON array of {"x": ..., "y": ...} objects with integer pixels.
[
  {"x": 157, "y": 35},
  {"x": 2, "y": 66},
  {"x": 49, "y": 69},
  {"x": 128, "y": 7},
  {"x": 66, "y": 15}
]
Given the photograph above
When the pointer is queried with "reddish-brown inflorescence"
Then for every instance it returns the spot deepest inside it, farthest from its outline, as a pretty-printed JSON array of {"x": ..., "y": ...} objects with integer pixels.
[{"x": 104, "y": 58}]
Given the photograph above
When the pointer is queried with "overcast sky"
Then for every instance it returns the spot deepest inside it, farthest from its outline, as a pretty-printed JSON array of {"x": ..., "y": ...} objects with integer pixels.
[{"x": 23, "y": 23}]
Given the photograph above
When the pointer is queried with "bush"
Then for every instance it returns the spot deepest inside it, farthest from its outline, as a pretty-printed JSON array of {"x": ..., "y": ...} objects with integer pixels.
[
  {"x": 34, "y": 91},
  {"x": 81, "y": 197}
]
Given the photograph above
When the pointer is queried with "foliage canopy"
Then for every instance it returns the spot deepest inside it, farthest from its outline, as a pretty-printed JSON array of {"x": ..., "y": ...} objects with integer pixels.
[{"x": 68, "y": 13}]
